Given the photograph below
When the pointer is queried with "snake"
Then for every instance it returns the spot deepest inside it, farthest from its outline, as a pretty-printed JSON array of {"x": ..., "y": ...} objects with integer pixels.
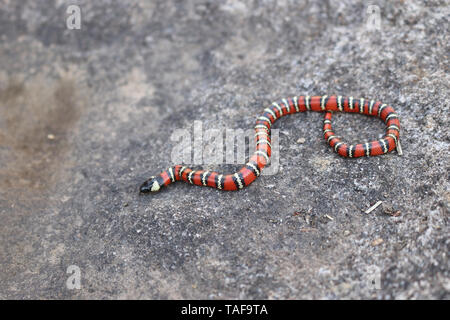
[{"x": 261, "y": 157}]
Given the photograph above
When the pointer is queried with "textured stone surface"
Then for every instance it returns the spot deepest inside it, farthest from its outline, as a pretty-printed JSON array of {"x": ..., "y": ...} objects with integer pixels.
[{"x": 85, "y": 117}]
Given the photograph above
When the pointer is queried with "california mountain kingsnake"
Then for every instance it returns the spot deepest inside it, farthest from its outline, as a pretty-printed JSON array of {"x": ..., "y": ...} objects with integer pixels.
[{"x": 261, "y": 157}]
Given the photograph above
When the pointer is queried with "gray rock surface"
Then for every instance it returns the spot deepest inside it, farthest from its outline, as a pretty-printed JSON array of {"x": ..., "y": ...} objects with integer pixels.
[{"x": 86, "y": 116}]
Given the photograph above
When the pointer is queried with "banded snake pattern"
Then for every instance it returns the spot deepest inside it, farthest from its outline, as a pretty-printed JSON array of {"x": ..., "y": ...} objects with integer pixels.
[{"x": 261, "y": 157}]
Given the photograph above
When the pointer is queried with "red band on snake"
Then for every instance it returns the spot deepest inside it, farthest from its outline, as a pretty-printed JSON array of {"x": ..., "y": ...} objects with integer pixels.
[{"x": 261, "y": 157}]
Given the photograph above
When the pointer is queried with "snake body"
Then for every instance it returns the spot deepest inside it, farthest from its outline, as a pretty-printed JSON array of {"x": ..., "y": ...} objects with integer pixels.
[{"x": 248, "y": 173}]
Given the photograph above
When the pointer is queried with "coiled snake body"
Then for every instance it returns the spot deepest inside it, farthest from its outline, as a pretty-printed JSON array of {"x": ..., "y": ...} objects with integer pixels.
[{"x": 247, "y": 174}]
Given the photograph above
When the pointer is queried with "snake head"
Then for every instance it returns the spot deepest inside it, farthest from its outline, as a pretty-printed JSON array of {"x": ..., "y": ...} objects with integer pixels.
[{"x": 151, "y": 185}]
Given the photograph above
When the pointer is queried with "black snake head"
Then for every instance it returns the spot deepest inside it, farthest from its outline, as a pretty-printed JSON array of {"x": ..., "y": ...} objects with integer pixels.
[{"x": 151, "y": 185}]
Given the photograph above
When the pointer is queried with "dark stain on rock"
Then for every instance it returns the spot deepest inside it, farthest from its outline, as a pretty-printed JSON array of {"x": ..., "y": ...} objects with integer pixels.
[{"x": 36, "y": 120}]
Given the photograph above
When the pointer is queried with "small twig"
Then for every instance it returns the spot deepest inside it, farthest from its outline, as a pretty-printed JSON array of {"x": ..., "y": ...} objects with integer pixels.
[
  {"x": 398, "y": 147},
  {"x": 373, "y": 207}
]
